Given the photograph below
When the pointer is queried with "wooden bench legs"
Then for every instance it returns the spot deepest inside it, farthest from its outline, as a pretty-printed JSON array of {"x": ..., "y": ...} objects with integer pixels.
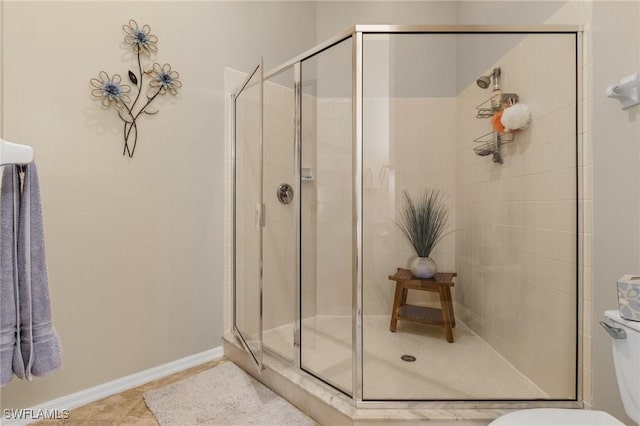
[
  {"x": 398, "y": 300},
  {"x": 448, "y": 320},
  {"x": 447, "y": 313}
]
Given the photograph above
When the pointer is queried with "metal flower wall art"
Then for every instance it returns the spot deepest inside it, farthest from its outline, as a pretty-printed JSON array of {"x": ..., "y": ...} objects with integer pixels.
[{"x": 112, "y": 92}]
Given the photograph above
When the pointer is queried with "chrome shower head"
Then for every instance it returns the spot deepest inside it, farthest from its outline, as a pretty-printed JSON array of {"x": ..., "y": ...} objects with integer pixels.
[{"x": 484, "y": 81}]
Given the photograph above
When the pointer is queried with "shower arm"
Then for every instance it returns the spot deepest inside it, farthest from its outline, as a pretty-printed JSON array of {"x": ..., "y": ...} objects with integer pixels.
[{"x": 496, "y": 78}]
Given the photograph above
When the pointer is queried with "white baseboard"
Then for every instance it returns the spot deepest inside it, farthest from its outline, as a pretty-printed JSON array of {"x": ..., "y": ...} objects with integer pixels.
[{"x": 104, "y": 390}]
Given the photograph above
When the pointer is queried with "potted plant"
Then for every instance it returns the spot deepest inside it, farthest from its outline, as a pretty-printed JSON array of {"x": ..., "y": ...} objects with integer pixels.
[{"x": 423, "y": 220}]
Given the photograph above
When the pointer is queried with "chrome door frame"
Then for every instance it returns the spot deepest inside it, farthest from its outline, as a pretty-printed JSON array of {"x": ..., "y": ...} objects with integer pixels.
[{"x": 257, "y": 357}]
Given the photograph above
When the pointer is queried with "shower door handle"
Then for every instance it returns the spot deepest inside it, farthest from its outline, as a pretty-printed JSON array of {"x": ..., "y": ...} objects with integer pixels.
[{"x": 260, "y": 215}]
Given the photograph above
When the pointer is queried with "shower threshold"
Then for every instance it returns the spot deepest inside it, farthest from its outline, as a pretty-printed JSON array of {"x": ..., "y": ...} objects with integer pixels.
[{"x": 329, "y": 406}]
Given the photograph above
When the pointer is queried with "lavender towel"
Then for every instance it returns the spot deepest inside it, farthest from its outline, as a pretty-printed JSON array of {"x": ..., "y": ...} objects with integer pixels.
[
  {"x": 9, "y": 199},
  {"x": 39, "y": 351},
  {"x": 29, "y": 344}
]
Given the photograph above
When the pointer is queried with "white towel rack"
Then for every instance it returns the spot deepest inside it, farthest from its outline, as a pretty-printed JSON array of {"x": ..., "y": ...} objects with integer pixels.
[{"x": 13, "y": 153}]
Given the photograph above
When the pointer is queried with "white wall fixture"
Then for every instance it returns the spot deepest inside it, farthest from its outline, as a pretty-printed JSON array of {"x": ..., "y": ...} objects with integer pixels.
[
  {"x": 13, "y": 153},
  {"x": 627, "y": 91}
]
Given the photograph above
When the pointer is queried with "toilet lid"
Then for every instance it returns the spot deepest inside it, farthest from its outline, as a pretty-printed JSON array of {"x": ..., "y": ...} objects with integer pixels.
[
  {"x": 556, "y": 417},
  {"x": 614, "y": 315}
]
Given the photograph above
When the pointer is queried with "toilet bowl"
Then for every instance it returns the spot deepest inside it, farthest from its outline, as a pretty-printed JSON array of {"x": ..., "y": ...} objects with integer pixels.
[{"x": 625, "y": 341}]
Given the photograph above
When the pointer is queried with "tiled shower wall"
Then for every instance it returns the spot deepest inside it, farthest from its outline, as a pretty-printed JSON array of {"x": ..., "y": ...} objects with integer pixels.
[
  {"x": 517, "y": 221},
  {"x": 398, "y": 158},
  {"x": 279, "y": 236},
  {"x": 408, "y": 145},
  {"x": 332, "y": 174}
]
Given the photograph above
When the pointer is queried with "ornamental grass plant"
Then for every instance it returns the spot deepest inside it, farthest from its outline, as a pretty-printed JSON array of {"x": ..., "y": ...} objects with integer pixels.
[{"x": 423, "y": 219}]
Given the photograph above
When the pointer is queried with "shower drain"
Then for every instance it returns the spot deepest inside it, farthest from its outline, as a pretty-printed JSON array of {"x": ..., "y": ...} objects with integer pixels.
[{"x": 408, "y": 358}]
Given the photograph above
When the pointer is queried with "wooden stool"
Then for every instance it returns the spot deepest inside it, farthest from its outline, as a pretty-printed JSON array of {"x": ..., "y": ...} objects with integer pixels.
[{"x": 441, "y": 284}]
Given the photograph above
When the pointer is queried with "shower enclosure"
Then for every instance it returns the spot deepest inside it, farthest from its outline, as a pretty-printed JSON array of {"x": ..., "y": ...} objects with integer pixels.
[{"x": 349, "y": 126}]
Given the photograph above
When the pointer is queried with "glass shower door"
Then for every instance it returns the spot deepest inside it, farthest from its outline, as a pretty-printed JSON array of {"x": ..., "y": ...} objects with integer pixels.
[
  {"x": 248, "y": 213},
  {"x": 326, "y": 194}
]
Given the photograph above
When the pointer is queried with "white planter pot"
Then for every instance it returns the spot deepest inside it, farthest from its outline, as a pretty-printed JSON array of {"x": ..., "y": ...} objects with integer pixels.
[{"x": 423, "y": 267}]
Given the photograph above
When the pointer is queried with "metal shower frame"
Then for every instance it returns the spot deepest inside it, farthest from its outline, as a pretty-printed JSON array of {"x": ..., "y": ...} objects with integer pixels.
[{"x": 356, "y": 33}]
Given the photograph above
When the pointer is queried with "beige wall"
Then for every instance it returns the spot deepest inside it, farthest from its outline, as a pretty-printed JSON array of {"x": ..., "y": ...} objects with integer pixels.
[
  {"x": 135, "y": 246},
  {"x": 616, "y": 179}
]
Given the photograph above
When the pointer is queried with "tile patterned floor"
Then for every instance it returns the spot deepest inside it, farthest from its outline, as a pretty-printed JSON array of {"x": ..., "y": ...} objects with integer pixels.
[{"x": 126, "y": 408}]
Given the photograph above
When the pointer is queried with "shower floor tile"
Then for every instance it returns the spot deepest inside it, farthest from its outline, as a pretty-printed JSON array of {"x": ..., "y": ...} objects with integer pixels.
[{"x": 466, "y": 369}]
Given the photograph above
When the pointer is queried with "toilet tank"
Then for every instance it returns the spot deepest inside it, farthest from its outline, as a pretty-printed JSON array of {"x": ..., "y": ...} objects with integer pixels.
[{"x": 626, "y": 357}]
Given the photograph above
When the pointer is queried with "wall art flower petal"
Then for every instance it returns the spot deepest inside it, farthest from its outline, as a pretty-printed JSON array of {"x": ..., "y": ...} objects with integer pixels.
[
  {"x": 110, "y": 91},
  {"x": 164, "y": 79},
  {"x": 140, "y": 39}
]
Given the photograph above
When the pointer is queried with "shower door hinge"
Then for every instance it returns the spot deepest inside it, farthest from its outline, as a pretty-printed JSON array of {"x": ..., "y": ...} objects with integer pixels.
[{"x": 260, "y": 221}]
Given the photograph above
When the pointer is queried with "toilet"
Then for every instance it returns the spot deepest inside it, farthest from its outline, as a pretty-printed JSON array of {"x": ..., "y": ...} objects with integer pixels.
[{"x": 625, "y": 339}]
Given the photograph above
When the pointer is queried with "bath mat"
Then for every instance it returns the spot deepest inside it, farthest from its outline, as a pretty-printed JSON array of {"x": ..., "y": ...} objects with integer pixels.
[{"x": 222, "y": 395}]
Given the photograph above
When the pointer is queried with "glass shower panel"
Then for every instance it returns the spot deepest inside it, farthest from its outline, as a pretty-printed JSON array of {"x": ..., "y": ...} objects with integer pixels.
[
  {"x": 248, "y": 213},
  {"x": 279, "y": 232},
  {"x": 327, "y": 215},
  {"x": 513, "y": 243}
]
